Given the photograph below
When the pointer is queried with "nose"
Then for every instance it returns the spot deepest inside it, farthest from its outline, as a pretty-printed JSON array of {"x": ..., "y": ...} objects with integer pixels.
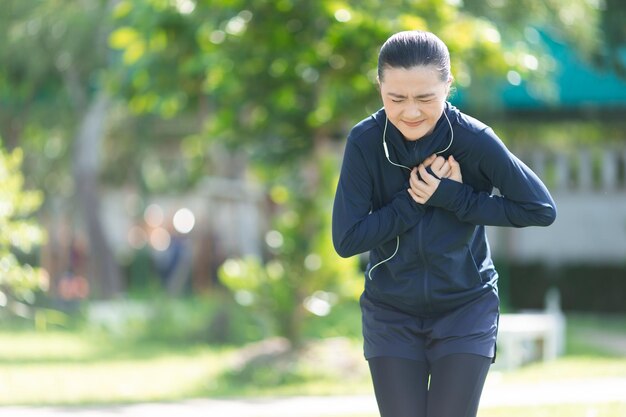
[{"x": 412, "y": 110}]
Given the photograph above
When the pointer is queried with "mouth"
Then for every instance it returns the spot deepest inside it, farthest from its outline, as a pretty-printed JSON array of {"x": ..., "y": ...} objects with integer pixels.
[{"x": 413, "y": 124}]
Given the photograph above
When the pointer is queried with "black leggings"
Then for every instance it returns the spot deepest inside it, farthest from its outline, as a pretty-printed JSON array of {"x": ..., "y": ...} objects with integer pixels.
[{"x": 402, "y": 385}]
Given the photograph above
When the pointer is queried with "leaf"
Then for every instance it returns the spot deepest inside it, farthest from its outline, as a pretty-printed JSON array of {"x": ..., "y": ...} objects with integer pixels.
[{"x": 123, "y": 37}]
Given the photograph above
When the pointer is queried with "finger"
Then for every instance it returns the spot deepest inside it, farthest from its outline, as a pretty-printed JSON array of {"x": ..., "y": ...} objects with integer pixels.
[
  {"x": 423, "y": 193},
  {"x": 426, "y": 177},
  {"x": 455, "y": 170},
  {"x": 437, "y": 163},
  {"x": 415, "y": 197},
  {"x": 429, "y": 160},
  {"x": 454, "y": 165},
  {"x": 419, "y": 188},
  {"x": 444, "y": 171}
]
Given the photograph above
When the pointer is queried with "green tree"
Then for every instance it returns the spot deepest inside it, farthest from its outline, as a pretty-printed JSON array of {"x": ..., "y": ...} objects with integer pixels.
[
  {"x": 54, "y": 106},
  {"x": 282, "y": 81},
  {"x": 20, "y": 233},
  {"x": 302, "y": 274},
  {"x": 596, "y": 28},
  {"x": 279, "y": 81}
]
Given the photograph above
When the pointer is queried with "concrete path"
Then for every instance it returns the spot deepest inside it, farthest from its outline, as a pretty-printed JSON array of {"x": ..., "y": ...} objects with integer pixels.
[{"x": 593, "y": 391}]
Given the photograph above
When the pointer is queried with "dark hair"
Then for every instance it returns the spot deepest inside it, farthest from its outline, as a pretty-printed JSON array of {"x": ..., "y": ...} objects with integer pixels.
[{"x": 414, "y": 48}]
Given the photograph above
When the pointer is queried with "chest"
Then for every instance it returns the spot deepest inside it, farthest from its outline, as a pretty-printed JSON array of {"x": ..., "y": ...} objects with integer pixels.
[{"x": 389, "y": 179}]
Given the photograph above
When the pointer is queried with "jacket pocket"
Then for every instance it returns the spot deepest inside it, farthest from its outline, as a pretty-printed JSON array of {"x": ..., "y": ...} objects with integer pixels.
[{"x": 456, "y": 271}]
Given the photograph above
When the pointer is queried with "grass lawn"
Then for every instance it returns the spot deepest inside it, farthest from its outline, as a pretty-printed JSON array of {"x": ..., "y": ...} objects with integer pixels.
[
  {"x": 62, "y": 368},
  {"x": 57, "y": 367}
]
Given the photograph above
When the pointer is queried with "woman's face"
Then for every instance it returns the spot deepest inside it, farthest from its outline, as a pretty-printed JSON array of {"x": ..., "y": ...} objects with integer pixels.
[{"x": 414, "y": 99}]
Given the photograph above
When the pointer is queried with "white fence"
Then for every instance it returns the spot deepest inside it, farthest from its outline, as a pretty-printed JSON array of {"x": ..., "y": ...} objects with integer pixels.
[
  {"x": 589, "y": 187},
  {"x": 582, "y": 169}
]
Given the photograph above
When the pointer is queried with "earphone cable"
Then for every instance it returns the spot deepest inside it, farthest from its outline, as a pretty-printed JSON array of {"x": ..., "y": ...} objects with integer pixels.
[{"x": 369, "y": 273}]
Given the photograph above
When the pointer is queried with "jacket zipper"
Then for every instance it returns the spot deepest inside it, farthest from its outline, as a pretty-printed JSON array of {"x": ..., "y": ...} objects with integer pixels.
[
  {"x": 427, "y": 303},
  {"x": 420, "y": 240},
  {"x": 416, "y": 153}
]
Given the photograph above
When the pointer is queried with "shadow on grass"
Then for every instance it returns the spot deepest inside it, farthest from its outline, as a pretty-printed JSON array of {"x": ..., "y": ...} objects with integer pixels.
[{"x": 331, "y": 366}]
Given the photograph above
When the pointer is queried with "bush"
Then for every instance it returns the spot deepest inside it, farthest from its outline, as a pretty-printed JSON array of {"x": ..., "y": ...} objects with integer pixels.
[
  {"x": 583, "y": 287},
  {"x": 19, "y": 234}
]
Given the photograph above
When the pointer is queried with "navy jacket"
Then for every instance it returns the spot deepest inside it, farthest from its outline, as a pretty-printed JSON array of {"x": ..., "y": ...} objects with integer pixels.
[{"x": 443, "y": 258}]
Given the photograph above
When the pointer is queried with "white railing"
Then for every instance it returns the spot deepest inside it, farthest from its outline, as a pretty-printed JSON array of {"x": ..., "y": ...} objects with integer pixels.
[
  {"x": 582, "y": 169},
  {"x": 589, "y": 188}
]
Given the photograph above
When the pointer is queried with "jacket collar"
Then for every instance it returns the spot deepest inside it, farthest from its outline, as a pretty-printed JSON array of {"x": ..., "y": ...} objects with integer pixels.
[{"x": 424, "y": 147}]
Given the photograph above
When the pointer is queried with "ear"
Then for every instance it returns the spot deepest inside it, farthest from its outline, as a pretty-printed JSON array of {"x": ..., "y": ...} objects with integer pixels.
[{"x": 449, "y": 85}]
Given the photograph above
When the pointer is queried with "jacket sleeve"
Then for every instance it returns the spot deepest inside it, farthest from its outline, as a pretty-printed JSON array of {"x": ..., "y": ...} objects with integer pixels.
[
  {"x": 357, "y": 229},
  {"x": 524, "y": 200}
]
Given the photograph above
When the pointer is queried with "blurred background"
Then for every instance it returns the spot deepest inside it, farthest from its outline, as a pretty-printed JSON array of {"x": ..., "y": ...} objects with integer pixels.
[{"x": 167, "y": 171}]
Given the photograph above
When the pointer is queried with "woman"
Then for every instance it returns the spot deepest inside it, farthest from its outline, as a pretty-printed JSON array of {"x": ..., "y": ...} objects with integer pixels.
[{"x": 415, "y": 191}]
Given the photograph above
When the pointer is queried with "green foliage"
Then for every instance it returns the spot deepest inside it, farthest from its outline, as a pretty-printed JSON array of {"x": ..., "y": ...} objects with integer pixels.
[
  {"x": 595, "y": 27},
  {"x": 274, "y": 78},
  {"x": 343, "y": 321},
  {"x": 280, "y": 81},
  {"x": 302, "y": 274},
  {"x": 45, "y": 89},
  {"x": 20, "y": 233},
  {"x": 197, "y": 320}
]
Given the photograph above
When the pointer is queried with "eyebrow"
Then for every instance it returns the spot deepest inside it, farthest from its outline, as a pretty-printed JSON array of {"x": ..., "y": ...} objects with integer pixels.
[{"x": 426, "y": 95}]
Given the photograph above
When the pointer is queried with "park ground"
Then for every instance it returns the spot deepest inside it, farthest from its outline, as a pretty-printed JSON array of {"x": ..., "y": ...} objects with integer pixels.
[{"x": 72, "y": 376}]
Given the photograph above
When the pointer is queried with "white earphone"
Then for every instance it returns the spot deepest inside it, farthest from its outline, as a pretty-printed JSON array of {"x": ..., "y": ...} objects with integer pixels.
[
  {"x": 437, "y": 153},
  {"x": 369, "y": 274}
]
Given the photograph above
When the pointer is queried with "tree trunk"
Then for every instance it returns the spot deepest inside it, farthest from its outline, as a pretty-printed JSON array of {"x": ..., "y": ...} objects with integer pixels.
[{"x": 105, "y": 274}]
